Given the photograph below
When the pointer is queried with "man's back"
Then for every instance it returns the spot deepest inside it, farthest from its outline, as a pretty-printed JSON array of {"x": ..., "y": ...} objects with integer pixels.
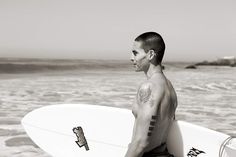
[{"x": 164, "y": 110}]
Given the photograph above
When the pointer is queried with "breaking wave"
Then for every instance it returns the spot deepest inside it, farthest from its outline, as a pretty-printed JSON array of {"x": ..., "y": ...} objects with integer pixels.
[{"x": 29, "y": 66}]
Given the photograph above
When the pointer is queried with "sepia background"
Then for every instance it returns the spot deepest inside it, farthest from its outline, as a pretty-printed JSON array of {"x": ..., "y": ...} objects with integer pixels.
[{"x": 55, "y": 52}]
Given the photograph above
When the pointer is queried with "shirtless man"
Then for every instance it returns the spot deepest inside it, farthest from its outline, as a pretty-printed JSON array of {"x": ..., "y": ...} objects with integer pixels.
[{"x": 155, "y": 102}]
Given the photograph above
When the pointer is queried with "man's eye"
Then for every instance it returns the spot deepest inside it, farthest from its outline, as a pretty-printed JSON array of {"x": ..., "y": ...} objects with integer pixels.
[{"x": 135, "y": 53}]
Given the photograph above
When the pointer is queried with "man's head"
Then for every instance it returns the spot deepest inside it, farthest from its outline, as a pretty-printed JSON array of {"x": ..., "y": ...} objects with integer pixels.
[{"x": 148, "y": 48}]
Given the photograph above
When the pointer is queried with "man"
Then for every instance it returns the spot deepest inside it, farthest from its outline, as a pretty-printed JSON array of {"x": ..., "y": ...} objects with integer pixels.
[{"x": 155, "y": 102}]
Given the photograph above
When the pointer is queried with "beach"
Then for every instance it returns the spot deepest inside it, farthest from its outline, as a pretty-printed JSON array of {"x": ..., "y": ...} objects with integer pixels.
[{"x": 206, "y": 95}]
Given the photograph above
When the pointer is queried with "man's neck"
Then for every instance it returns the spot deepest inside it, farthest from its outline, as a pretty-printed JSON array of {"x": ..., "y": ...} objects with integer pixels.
[{"x": 153, "y": 69}]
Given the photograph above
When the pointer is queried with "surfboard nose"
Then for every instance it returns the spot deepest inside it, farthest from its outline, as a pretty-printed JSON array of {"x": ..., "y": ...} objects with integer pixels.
[{"x": 27, "y": 118}]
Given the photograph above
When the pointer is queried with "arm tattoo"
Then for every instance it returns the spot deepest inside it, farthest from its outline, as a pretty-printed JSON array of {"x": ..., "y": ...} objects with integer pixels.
[
  {"x": 144, "y": 95},
  {"x": 152, "y": 125}
]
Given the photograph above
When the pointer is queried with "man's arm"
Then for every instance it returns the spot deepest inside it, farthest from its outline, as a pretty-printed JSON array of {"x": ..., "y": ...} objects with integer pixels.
[{"x": 145, "y": 121}]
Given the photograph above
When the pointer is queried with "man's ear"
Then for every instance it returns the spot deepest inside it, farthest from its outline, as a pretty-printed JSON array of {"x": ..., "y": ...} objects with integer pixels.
[{"x": 152, "y": 54}]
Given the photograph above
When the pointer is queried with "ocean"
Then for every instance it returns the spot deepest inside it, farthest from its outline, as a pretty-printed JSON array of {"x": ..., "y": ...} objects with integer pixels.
[{"x": 206, "y": 95}]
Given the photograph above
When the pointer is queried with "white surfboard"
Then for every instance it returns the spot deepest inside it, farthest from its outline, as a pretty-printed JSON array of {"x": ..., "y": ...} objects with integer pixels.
[{"x": 108, "y": 130}]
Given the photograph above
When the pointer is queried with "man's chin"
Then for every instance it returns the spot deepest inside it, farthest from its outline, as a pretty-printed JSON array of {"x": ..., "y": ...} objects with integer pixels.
[{"x": 138, "y": 70}]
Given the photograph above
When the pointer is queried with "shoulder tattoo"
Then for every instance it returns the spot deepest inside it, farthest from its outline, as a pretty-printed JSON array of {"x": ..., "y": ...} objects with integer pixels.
[{"x": 144, "y": 94}]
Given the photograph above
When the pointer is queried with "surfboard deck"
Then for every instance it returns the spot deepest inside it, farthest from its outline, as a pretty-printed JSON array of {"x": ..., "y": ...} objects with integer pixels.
[{"x": 108, "y": 131}]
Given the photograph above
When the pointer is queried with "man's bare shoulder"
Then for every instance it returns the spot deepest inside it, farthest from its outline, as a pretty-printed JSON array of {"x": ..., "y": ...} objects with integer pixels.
[
  {"x": 150, "y": 92},
  {"x": 152, "y": 85}
]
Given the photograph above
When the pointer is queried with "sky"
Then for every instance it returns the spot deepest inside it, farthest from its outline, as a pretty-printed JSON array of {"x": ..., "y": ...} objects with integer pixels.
[{"x": 193, "y": 30}]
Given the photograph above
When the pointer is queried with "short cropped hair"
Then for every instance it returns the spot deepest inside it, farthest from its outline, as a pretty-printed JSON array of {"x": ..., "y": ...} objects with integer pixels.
[{"x": 152, "y": 41}]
